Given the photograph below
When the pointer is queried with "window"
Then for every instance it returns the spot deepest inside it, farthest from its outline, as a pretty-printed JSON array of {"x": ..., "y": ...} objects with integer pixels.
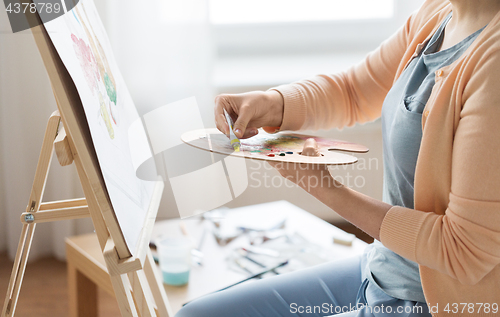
[
  {"x": 279, "y": 11},
  {"x": 302, "y": 26},
  {"x": 264, "y": 43}
]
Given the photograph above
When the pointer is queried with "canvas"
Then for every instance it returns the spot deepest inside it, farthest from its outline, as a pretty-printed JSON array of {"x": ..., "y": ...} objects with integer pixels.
[{"x": 83, "y": 46}]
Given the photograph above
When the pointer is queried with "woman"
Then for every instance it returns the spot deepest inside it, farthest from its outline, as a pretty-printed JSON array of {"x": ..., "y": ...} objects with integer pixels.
[{"x": 435, "y": 84}]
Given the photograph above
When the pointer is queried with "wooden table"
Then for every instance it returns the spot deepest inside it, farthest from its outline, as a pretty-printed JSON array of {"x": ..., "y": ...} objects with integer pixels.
[{"x": 87, "y": 270}]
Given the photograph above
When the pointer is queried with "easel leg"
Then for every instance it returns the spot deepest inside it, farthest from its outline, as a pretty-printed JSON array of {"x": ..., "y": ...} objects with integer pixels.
[
  {"x": 122, "y": 288},
  {"x": 18, "y": 270},
  {"x": 142, "y": 294},
  {"x": 26, "y": 239},
  {"x": 157, "y": 288},
  {"x": 82, "y": 294}
]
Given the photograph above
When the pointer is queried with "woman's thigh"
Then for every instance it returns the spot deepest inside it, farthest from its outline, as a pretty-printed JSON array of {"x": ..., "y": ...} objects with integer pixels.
[
  {"x": 315, "y": 289},
  {"x": 375, "y": 303}
]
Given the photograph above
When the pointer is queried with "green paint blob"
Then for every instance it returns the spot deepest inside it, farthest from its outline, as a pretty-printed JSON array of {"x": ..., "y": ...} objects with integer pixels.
[{"x": 110, "y": 89}]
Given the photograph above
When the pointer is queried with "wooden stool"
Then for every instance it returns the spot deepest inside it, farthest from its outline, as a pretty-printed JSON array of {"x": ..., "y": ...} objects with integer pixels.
[{"x": 86, "y": 271}]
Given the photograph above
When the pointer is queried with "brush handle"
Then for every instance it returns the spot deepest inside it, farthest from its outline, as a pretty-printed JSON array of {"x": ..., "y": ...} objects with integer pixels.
[
  {"x": 235, "y": 142},
  {"x": 248, "y": 278}
]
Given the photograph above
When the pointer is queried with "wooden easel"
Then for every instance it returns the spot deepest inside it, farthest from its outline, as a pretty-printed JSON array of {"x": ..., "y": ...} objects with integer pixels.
[{"x": 138, "y": 288}]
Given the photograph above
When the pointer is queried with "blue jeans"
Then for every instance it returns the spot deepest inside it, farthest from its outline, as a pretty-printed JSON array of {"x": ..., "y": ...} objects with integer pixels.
[{"x": 334, "y": 288}]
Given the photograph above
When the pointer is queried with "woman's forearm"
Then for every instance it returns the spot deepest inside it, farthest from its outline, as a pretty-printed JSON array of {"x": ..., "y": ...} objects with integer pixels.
[{"x": 364, "y": 212}]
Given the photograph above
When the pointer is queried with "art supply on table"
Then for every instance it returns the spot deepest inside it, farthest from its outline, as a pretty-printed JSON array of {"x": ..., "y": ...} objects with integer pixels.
[
  {"x": 249, "y": 278},
  {"x": 245, "y": 254},
  {"x": 262, "y": 251},
  {"x": 258, "y": 221},
  {"x": 225, "y": 231},
  {"x": 256, "y": 275},
  {"x": 235, "y": 142},
  {"x": 259, "y": 237},
  {"x": 195, "y": 252},
  {"x": 243, "y": 266},
  {"x": 154, "y": 251},
  {"x": 175, "y": 259},
  {"x": 215, "y": 216},
  {"x": 346, "y": 239},
  {"x": 272, "y": 224},
  {"x": 202, "y": 239}
]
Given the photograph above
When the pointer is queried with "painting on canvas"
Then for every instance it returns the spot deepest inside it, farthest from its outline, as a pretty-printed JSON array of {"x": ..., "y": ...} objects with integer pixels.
[{"x": 83, "y": 46}]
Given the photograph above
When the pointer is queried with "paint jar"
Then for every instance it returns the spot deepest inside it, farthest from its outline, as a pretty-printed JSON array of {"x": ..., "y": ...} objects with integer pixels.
[{"x": 174, "y": 254}]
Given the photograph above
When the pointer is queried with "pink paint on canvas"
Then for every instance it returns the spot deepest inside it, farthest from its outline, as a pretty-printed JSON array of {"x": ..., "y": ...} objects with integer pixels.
[{"x": 87, "y": 61}]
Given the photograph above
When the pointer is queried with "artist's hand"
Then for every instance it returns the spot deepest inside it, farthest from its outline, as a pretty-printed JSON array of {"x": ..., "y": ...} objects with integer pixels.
[
  {"x": 365, "y": 212},
  {"x": 250, "y": 111},
  {"x": 311, "y": 177}
]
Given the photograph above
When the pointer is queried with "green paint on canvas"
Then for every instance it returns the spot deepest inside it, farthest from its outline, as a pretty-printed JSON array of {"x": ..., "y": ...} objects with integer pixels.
[{"x": 110, "y": 89}]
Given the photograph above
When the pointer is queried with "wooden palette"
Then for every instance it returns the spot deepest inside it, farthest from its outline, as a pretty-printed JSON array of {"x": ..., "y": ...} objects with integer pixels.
[{"x": 282, "y": 147}]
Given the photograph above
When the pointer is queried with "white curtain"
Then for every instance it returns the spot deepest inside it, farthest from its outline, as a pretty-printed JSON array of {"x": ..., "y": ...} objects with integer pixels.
[
  {"x": 26, "y": 102},
  {"x": 165, "y": 53}
]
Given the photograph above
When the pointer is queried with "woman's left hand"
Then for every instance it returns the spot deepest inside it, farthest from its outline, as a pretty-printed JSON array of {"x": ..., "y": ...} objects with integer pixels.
[
  {"x": 363, "y": 211},
  {"x": 307, "y": 176}
]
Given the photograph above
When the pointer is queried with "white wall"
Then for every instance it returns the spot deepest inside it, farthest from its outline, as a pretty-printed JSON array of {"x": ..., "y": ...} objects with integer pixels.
[
  {"x": 26, "y": 102},
  {"x": 306, "y": 37},
  {"x": 4, "y": 27}
]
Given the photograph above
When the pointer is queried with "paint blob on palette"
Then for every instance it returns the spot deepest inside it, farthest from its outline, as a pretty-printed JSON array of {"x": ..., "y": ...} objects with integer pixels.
[{"x": 284, "y": 147}]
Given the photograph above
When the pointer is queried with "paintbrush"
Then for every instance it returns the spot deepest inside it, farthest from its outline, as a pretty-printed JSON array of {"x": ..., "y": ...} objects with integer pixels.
[{"x": 235, "y": 142}]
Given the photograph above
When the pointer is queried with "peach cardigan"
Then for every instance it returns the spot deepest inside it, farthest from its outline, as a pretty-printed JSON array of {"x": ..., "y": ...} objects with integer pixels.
[{"x": 454, "y": 230}]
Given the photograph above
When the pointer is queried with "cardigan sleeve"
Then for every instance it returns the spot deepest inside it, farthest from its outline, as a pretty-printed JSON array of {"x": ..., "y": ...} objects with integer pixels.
[
  {"x": 356, "y": 95},
  {"x": 464, "y": 243}
]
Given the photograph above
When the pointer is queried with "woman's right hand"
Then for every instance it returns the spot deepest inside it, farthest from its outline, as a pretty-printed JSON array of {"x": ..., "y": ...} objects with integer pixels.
[{"x": 250, "y": 111}]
